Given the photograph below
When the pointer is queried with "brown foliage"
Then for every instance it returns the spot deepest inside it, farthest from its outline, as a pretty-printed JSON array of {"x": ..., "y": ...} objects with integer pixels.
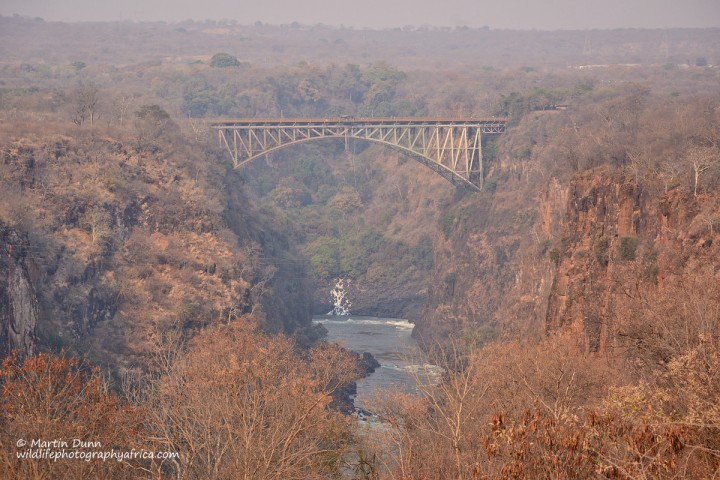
[
  {"x": 236, "y": 404},
  {"x": 547, "y": 409},
  {"x": 241, "y": 404},
  {"x": 53, "y": 398}
]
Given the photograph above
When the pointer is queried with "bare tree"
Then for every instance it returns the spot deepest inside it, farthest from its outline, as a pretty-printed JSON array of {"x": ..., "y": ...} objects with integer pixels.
[
  {"x": 121, "y": 106},
  {"x": 668, "y": 171},
  {"x": 86, "y": 102},
  {"x": 244, "y": 405},
  {"x": 702, "y": 159}
]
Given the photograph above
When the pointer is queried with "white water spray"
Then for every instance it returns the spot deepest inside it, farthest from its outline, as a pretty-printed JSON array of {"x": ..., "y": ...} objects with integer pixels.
[{"x": 341, "y": 304}]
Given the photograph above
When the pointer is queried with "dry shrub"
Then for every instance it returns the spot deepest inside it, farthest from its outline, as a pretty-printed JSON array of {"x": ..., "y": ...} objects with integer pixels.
[
  {"x": 240, "y": 404},
  {"x": 236, "y": 404},
  {"x": 659, "y": 325},
  {"x": 48, "y": 398},
  {"x": 671, "y": 338},
  {"x": 547, "y": 409},
  {"x": 454, "y": 429}
]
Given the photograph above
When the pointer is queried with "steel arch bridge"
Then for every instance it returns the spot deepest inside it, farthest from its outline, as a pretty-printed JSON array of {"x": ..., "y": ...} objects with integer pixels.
[{"x": 450, "y": 146}]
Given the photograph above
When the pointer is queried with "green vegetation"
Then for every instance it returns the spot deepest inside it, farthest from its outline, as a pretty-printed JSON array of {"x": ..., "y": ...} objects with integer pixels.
[
  {"x": 446, "y": 224},
  {"x": 324, "y": 255},
  {"x": 224, "y": 60},
  {"x": 490, "y": 185},
  {"x": 600, "y": 250},
  {"x": 554, "y": 256},
  {"x": 422, "y": 253},
  {"x": 489, "y": 148},
  {"x": 525, "y": 152},
  {"x": 627, "y": 248}
]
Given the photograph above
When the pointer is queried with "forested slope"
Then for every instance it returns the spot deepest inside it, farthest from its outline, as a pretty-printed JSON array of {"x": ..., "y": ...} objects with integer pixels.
[
  {"x": 129, "y": 240},
  {"x": 590, "y": 207}
]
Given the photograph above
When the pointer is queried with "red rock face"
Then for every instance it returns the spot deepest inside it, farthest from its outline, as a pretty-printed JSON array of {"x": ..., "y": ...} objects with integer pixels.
[
  {"x": 619, "y": 237},
  {"x": 18, "y": 302},
  {"x": 567, "y": 257}
]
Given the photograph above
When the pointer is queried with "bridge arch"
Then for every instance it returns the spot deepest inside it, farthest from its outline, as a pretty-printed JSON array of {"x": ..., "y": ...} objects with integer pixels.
[{"x": 450, "y": 147}]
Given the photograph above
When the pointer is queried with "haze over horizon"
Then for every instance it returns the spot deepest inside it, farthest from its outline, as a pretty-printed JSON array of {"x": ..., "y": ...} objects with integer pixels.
[{"x": 513, "y": 14}]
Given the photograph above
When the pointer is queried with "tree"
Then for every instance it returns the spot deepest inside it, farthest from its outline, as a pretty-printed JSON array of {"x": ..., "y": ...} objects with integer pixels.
[
  {"x": 245, "y": 405},
  {"x": 224, "y": 60},
  {"x": 86, "y": 100},
  {"x": 151, "y": 123},
  {"x": 120, "y": 106},
  {"x": 54, "y": 398},
  {"x": 702, "y": 159}
]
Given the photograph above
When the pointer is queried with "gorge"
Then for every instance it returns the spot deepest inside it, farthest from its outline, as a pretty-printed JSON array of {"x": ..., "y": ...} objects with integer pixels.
[{"x": 163, "y": 300}]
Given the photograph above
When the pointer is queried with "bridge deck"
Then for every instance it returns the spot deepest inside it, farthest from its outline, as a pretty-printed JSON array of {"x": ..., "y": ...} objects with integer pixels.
[{"x": 390, "y": 121}]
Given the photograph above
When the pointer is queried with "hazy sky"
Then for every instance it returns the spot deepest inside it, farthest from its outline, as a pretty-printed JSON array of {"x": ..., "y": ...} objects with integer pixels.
[{"x": 520, "y": 14}]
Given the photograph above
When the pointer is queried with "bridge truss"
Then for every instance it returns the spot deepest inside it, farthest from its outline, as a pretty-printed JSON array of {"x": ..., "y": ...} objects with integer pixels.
[{"x": 450, "y": 146}]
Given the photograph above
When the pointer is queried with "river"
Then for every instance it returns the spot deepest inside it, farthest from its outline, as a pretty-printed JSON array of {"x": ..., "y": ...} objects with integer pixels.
[{"x": 389, "y": 340}]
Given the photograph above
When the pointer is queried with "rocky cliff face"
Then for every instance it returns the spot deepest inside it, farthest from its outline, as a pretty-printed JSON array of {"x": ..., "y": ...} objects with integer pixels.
[
  {"x": 618, "y": 237},
  {"x": 129, "y": 247},
  {"x": 490, "y": 267},
  {"x": 18, "y": 302},
  {"x": 565, "y": 255},
  {"x": 603, "y": 217}
]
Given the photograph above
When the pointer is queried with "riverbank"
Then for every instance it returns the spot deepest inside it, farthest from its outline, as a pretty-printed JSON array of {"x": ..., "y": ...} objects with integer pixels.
[{"x": 389, "y": 343}]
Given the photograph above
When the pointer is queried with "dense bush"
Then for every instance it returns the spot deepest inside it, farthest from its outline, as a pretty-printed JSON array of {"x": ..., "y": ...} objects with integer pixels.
[
  {"x": 224, "y": 60},
  {"x": 446, "y": 224},
  {"x": 233, "y": 402},
  {"x": 627, "y": 248},
  {"x": 600, "y": 250}
]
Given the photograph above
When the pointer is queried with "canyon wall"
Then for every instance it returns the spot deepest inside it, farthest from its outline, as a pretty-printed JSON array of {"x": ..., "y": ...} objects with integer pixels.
[{"x": 18, "y": 301}]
